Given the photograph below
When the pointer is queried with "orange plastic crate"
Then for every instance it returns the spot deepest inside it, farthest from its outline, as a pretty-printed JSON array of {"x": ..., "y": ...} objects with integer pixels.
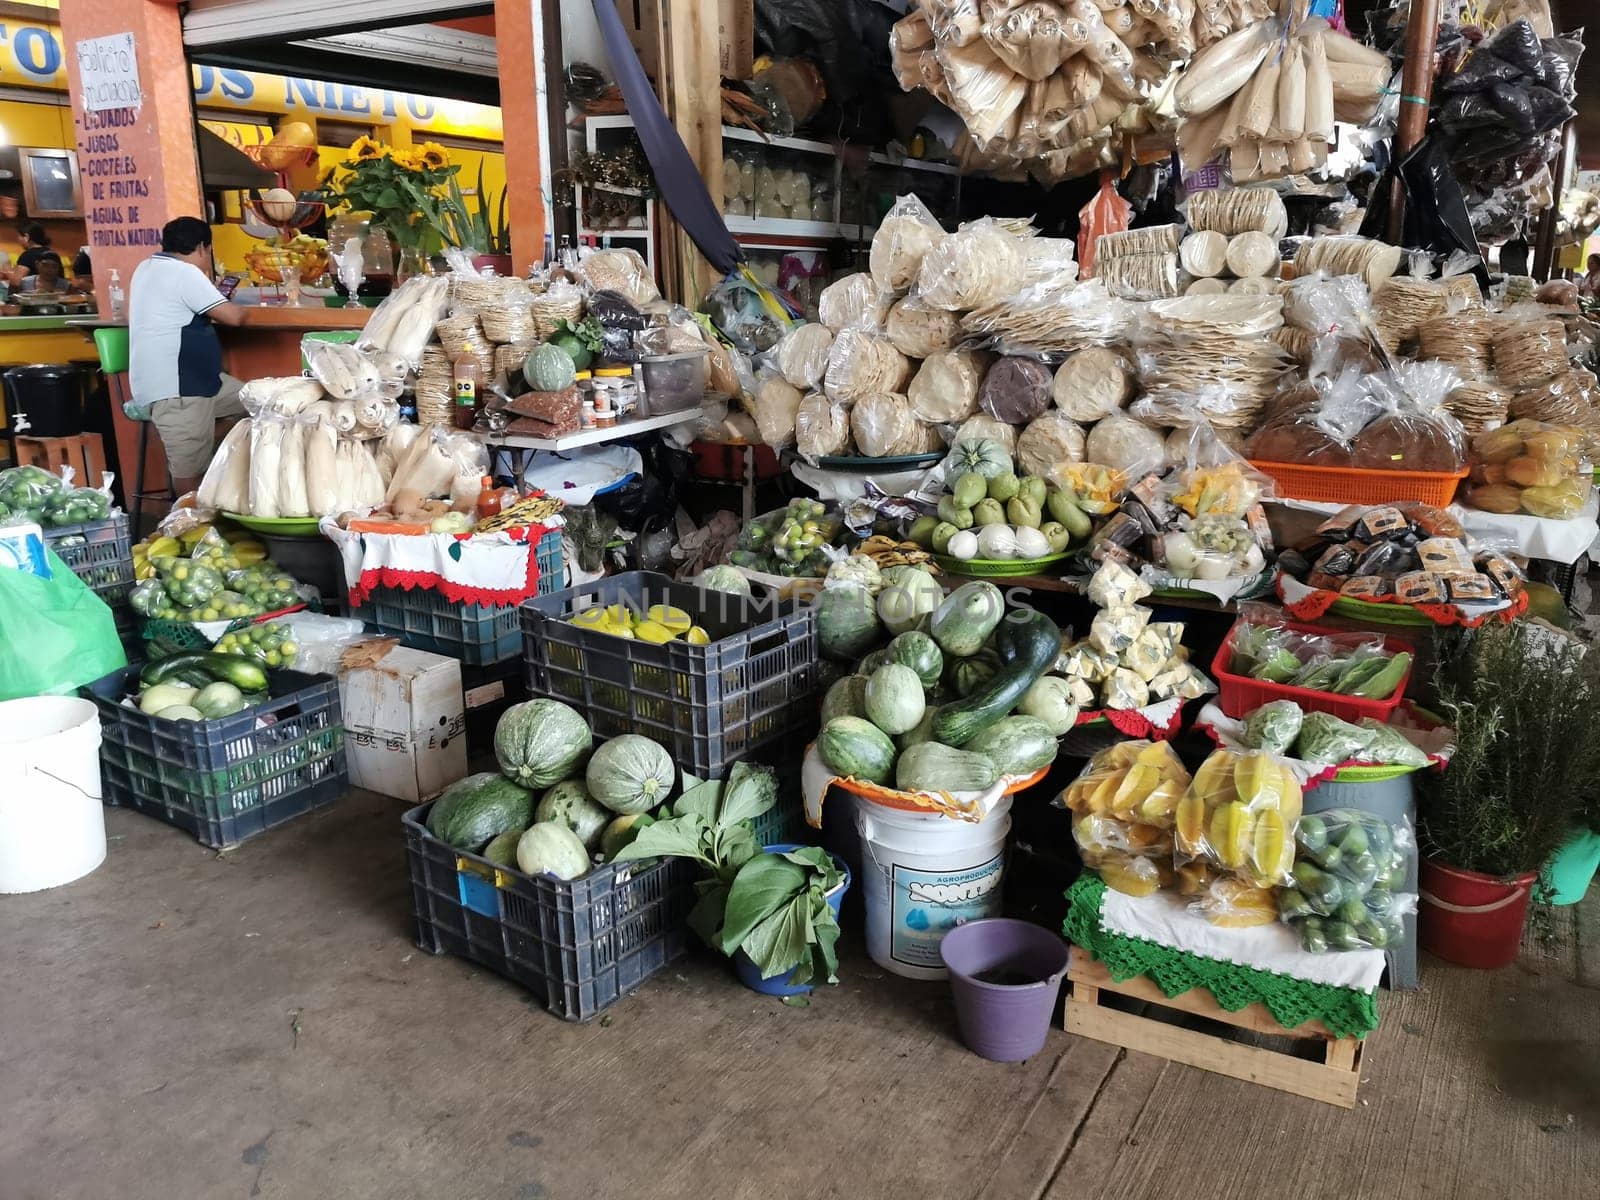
[{"x": 1359, "y": 485}]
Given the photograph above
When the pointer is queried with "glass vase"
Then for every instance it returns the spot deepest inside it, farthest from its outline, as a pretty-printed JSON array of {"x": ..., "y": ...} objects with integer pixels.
[{"x": 411, "y": 261}]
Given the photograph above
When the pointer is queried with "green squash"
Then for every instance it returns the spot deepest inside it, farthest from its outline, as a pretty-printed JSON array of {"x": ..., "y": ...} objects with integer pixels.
[
  {"x": 921, "y": 653},
  {"x": 856, "y": 749},
  {"x": 477, "y": 808},
  {"x": 894, "y": 699},
  {"x": 549, "y": 368},
  {"x": 846, "y": 698},
  {"x": 569, "y": 804},
  {"x": 552, "y": 849},
  {"x": 630, "y": 774},
  {"x": 847, "y": 622},
  {"x": 541, "y": 742}
]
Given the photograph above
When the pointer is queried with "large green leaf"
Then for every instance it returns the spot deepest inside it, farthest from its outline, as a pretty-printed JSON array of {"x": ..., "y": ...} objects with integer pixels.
[
  {"x": 763, "y": 886},
  {"x": 819, "y": 860},
  {"x": 751, "y": 791},
  {"x": 706, "y": 916},
  {"x": 778, "y": 944},
  {"x": 700, "y": 801},
  {"x": 677, "y": 838}
]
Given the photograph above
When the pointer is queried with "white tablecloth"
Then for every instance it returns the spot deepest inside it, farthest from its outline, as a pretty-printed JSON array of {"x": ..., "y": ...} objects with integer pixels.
[{"x": 1164, "y": 918}]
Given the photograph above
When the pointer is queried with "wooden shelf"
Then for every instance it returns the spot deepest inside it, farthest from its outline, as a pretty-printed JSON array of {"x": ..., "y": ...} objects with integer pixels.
[{"x": 594, "y": 437}]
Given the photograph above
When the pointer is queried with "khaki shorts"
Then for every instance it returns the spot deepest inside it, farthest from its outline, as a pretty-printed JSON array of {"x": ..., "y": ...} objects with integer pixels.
[{"x": 188, "y": 426}]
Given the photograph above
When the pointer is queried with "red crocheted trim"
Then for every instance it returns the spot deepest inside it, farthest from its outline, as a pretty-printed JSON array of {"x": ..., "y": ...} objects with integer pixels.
[
  {"x": 1315, "y": 606},
  {"x": 457, "y": 593},
  {"x": 1133, "y": 723}
]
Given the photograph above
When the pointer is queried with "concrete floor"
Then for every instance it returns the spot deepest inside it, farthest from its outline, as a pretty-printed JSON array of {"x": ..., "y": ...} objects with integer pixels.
[{"x": 188, "y": 1026}]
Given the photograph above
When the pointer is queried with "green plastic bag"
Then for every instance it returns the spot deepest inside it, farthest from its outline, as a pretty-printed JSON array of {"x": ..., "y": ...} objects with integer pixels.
[{"x": 56, "y": 634}]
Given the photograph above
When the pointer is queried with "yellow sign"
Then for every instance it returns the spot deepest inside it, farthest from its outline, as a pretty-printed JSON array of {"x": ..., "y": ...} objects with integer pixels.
[{"x": 30, "y": 56}]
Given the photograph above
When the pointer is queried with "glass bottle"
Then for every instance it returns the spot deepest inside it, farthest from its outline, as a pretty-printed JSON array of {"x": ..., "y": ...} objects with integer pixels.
[
  {"x": 490, "y": 498},
  {"x": 464, "y": 372}
]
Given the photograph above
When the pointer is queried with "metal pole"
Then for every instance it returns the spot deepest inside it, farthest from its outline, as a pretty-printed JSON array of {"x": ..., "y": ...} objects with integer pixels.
[
  {"x": 1544, "y": 246},
  {"x": 1416, "y": 91}
]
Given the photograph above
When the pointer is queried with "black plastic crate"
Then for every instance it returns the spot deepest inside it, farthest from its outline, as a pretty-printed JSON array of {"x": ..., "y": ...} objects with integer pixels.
[
  {"x": 99, "y": 553},
  {"x": 578, "y": 945},
  {"x": 228, "y": 779},
  {"x": 711, "y": 705},
  {"x": 475, "y": 634}
]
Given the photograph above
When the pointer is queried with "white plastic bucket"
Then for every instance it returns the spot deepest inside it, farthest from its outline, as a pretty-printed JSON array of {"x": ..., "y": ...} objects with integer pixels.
[
  {"x": 52, "y": 827},
  {"x": 922, "y": 874}
]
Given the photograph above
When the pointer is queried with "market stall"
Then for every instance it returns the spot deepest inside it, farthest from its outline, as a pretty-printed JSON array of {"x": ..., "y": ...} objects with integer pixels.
[{"x": 1195, "y": 540}]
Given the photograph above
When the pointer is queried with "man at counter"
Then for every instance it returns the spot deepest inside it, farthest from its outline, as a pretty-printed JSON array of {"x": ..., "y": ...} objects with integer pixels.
[
  {"x": 46, "y": 275},
  {"x": 174, "y": 355}
]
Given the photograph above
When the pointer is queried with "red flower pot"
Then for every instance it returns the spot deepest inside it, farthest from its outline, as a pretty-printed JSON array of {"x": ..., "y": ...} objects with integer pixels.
[{"x": 1471, "y": 919}]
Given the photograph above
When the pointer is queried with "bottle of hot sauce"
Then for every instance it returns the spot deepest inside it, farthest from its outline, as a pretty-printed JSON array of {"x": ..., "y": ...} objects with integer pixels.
[{"x": 490, "y": 498}]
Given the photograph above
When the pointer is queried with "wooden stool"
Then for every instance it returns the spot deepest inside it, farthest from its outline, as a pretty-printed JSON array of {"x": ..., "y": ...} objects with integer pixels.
[
  {"x": 84, "y": 454},
  {"x": 1332, "y": 1080}
]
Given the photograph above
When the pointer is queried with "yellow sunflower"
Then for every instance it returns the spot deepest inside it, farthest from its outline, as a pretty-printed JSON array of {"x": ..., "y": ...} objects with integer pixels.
[
  {"x": 434, "y": 156},
  {"x": 406, "y": 158},
  {"x": 364, "y": 149}
]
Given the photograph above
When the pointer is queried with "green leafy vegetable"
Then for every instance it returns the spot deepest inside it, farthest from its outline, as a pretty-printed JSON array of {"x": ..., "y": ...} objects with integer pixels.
[{"x": 1273, "y": 727}]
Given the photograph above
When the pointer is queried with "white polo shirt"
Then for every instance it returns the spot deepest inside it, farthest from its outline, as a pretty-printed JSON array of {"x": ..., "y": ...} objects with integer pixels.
[{"x": 173, "y": 350}]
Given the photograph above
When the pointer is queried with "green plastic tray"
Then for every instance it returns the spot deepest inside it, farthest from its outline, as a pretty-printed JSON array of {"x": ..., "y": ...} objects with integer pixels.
[
  {"x": 1372, "y": 774},
  {"x": 283, "y": 526},
  {"x": 998, "y": 568}
]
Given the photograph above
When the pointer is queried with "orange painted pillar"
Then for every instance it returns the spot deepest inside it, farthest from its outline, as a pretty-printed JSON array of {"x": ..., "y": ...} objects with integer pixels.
[
  {"x": 139, "y": 164},
  {"x": 520, "y": 69}
]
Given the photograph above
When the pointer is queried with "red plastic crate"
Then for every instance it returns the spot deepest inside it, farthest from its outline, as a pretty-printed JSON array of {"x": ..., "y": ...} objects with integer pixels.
[{"x": 1240, "y": 695}]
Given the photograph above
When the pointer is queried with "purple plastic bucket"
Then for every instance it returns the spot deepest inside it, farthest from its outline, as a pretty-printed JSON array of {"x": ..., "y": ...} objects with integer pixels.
[{"x": 1005, "y": 976}]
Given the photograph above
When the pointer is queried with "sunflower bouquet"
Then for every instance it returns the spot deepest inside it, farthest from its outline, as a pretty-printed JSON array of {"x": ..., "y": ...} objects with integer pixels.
[{"x": 403, "y": 187}]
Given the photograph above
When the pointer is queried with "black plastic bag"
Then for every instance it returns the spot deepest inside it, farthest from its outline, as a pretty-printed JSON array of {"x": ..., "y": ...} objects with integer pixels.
[
  {"x": 1436, "y": 217},
  {"x": 1481, "y": 70},
  {"x": 1518, "y": 45},
  {"x": 1560, "y": 65},
  {"x": 616, "y": 311},
  {"x": 1469, "y": 110},
  {"x": 1511, "y": 102},
  {"x": 1547, "y": 110}
]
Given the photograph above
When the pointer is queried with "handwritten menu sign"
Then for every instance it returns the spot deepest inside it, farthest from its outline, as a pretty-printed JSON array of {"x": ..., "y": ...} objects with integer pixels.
[
  {"x": 117, "y": 184},
  {"x": 108, "y": 73}
]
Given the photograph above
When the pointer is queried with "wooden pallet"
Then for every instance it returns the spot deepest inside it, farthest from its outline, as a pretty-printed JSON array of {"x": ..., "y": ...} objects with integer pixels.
[{"x": 1333, "y": 1080}]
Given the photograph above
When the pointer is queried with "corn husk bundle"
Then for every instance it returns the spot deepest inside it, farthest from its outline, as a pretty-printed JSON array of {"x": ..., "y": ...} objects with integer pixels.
[
  {"x": 1042, "y": 77},
  {"x": 1269, "y": 92},
  {"x": 1217, "y": 345}
]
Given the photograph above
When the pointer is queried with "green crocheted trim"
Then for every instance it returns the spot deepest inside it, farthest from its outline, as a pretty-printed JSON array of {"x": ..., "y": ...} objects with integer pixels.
[{"x": 1345, "y": 1011}]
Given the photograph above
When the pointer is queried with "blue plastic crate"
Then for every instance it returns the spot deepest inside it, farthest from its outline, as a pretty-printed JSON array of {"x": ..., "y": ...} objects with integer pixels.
[
  {"x": 579, "y": 945},
  {"x": 475, "y": 634}
]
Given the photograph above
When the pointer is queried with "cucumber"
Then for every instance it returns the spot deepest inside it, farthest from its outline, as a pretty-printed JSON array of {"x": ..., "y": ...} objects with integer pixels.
[
  {"x": 930, "y": 767},
  {"x": 246, "y": 674},
  {"x": 1026, "y": 643}
]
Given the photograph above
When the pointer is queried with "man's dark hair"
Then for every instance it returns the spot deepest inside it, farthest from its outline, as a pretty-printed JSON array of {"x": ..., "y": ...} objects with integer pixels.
[
  {"x": 185, "y": 235},
  {"x": 81, "y": 265},
  {"x": 50, "y": 256},
  {"x": 1593, "y": 258},
  {"x": 34, "y": 234}
]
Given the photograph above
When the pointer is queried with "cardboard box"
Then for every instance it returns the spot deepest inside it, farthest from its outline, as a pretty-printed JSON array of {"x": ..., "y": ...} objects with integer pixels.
[
  {"x": 736, "y": 27},
  {"x": 405, "y": 725}
]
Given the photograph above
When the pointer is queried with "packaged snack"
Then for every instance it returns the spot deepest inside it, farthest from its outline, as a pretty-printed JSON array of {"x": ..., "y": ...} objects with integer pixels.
[
  {"x": 1114, "y": 586},
  {"x": 1365, "y": 587},
  {"x": 1114, "y": 629},
  {"x": 1444, "y": 556},
  {"x": 1470, "y": 586},
  {"x": 1420, "y": 587},
  {"x": 1124, "y": 689},
  {"x": 1326, "y": 739},
  {"x": 1349, "y": 880}
]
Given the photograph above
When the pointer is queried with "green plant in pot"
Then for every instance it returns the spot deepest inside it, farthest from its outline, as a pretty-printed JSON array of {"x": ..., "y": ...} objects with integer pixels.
[
  {"x": 773, "y": 908},
  {"x": 1524, "y": 701}
]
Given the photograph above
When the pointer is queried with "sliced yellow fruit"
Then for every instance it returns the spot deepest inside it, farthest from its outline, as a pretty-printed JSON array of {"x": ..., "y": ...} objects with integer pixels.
[
  {"x": 1164, "y": 759},
  {"x": 674, "y": 619},
  {"x": 1234, "y": 904},
  {"x": 1271, "y": 848},
  {"x": 1191, "y": 823},
  {"x": 1214, "y": 777},
  {"x": 653, "y": 631},
  {"x": 697, "y": 636},
  {"x": 591, "y": 618},
  {"x": 1138, "y": 783},
  {"x": 1158, "y": 807},
  {"x": 1118, "y": 757},
  {"x": 1258, "y": 781},
  {"x": 1149, "y": 839},
  {"x": 620, "y": 615},
  {"x": 165, "y": 547},
  {"x": 1131, "y": 876},
  {"x": 1292, "y": 800},
  {"x": 1104, "y": 790},
  {"x": 1194, "y": 878},
  {"x": 1229, "y": 834},
  {"x": 190, "y": 536}
]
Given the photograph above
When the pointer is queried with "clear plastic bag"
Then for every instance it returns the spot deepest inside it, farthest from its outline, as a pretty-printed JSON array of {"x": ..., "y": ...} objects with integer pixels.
[
  {"x": 1239, "y": 815},
  {"x": 802, "y": 356},
  {"x": 1532, "y": 467},
  {"x": 861, "y": 363},
  {"x": 1350, "y": 884},
  {"x": 946, "y": 386},
  {"x": 1123, "y": 805},
  {"x": 975, "y": 266},
  {"x": 853, "y": 302},
  {"x": 775, "y": 407},
  {"x": 821, "y": 427},
  {"x": 1016, "y": 390},
  {"x": 918, "y": 331},
  {"x": 1273, "y": 727},
  {"x": 225, "y": 487},
  {"x": 1050, "y": 439},
  {"x": 903, "y": 238}
]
